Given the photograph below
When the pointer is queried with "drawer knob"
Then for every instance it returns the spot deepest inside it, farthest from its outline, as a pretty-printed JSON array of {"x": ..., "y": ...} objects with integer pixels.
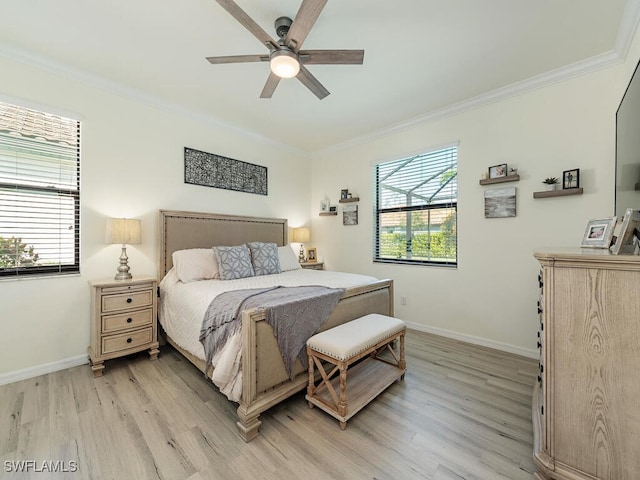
[
  {"x": 539, "y": 344},
  {"x": 129, "y": 320},
  {"x": 539, "y": 379},
  {"x": 129, "y": 340},
  {"x": 129, "y": 300}
]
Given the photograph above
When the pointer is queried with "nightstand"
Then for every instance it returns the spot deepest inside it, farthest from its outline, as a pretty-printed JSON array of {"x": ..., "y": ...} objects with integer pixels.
[
  {"x": 123, "y": 320},
  {"x": 313, "y": 265}
]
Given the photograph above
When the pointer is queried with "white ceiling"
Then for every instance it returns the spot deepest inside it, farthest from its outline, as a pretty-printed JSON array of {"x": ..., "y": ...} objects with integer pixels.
[{"x": 421, "y": 56}]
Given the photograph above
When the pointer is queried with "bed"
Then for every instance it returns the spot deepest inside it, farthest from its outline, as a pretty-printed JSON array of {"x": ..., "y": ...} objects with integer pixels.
[{"x": 264, "y": 381}]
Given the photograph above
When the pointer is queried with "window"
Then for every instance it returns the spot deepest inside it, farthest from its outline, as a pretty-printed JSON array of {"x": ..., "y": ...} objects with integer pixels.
[
  {"x": 39, "y": 192},
  {"x": 415, "y": 209}
]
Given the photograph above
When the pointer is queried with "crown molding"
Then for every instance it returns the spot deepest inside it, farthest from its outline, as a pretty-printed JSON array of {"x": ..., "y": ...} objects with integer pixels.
[
  {"x": 540, "y": 81},
  {"x": 125, "y": 91}
]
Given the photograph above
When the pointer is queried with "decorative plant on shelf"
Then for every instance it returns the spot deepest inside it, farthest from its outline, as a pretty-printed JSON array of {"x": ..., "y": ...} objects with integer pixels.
[{"x": 550, "y": 182}]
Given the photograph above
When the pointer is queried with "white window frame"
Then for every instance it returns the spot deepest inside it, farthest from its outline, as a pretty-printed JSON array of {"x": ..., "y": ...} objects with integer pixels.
[{"x": 424, "y": 184}]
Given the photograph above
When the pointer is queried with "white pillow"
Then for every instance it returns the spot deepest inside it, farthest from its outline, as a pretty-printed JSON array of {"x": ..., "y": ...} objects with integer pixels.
[
  {"x": 195, "y": 264},
  {"x": 288, "y": 259}
]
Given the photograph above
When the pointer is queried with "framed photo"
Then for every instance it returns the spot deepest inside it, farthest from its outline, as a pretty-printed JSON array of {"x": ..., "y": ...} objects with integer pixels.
[
  {"x": 312, "y": 255},
  {"x": 350, "y": 215},
  {"x": 629, "y": 235},
  {"x": 498, "y": 171},
  {"x": 344, "y": 193},
  {"x": 324, "y": 206},
  {"x": 599, "y": 233},
  {"x": 500, "y": 202},
  {"x": 571, "y": 179}
]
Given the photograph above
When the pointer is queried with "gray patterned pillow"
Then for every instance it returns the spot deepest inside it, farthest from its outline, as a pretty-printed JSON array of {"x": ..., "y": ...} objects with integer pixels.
[
  {"x": 264, "y": 257},
  {"x": 233, "y": 262}
]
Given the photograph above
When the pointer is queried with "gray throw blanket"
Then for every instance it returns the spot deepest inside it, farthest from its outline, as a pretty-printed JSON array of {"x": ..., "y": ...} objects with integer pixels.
[{"x": 294, "y": 313}]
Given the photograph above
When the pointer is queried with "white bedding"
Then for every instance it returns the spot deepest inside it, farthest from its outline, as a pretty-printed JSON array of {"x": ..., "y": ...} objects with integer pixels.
[{"x": 182, "y": 307}]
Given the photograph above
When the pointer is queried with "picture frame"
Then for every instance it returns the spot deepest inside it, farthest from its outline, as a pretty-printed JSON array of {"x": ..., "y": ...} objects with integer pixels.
[
  {"x": 344, "y": 193},
  {"x": 571, "y": 179},
  {"x": 498, "y": 171},
  {"x": 324, "y": 206},
  {"x": 312, "y": 255},
  {"x": 629, "y": 236},
  {"x": 500, "y": 202},
  {"x": 599, "y": 233},
  {"x": 350, "y": 215}
]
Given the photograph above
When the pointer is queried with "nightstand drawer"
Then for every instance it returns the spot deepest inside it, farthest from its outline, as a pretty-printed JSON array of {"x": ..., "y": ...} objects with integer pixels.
[
  {"x": 115, "y": 323},
  {"x": 116, "y": 343},
  {"x": 112, "y": 303}
]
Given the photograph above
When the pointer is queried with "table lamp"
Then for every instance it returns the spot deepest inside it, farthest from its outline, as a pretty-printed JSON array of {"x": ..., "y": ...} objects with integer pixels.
[
  {"x": 301, "y": 235},
  {"x": 124, "y": 231}
]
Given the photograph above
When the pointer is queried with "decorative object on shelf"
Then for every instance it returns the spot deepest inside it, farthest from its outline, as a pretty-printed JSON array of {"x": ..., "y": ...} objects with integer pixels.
[
  {"x": 333, "y": 208},
  {"x": 123, "y": 231},
  {"x": 498, "y": 171},
  {"x": 628, "y": 239},
  {"x": 550, "y": 183},
  {"x": 512, "y": 172},
  {"x": 599, "y": 233},
  {"x": 210, "y": 170},
  {"x": 500, "y": 203},
  {"x": 344, "y": 194},
  {"x": 324, "y": 206},
  {"x": 312, "y": 255},
  {"x": 350, "y": 215},
  {"x": 571, "y": 179},
  {"x": 302, "y": 235}
]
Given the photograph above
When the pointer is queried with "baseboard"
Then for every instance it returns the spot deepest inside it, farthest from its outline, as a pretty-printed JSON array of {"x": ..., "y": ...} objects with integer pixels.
[
  {"x": 43, "y": 369},
  {"x": 505, "y": 347}
]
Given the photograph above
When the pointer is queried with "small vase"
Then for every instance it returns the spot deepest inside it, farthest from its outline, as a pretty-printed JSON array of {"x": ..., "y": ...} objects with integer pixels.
[{"x": 550, "y": 186}]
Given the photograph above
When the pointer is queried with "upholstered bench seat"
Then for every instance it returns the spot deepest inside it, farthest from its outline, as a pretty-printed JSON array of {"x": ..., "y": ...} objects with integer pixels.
[{"x": 373, "y": 335}]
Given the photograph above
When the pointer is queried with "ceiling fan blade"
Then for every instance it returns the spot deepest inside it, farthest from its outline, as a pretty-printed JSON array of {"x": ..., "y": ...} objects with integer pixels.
[
  {"x": 332, "y": 57},
  {"x": 238, "y": 59},
  {"x": 305, "y": 18},
  {"x": 312, "y": 83},
  {"x": 246, "y": 21},
  {"x": 270, "y": 86}
]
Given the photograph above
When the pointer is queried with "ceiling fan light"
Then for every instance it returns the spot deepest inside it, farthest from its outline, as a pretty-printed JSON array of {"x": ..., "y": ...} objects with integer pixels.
[{"x": 284, "y": 64}]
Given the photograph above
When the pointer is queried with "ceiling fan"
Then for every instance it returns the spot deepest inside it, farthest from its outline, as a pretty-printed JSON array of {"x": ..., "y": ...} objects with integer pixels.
[{"x": 285, "y": 57}]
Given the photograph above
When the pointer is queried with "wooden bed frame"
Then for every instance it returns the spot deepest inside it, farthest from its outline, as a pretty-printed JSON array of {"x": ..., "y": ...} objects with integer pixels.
[{"x": 264, "y": 379}]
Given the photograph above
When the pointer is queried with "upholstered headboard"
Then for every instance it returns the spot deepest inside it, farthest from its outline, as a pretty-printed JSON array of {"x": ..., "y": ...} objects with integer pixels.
[{"x": 181, "y": 230}]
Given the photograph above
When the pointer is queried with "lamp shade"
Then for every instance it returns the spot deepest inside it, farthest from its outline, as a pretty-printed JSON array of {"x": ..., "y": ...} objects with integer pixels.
[
  {"x": 301, "y": 235},
  {"x": 124, "y": 231}
]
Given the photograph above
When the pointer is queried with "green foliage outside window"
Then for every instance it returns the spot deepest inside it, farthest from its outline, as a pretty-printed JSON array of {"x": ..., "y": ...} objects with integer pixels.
[{"x": 14, "y": 253}]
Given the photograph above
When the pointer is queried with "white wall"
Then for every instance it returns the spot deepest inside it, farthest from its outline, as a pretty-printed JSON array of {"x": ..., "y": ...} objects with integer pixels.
[
  {"x": 131, "y": 166},
  {"x": 491, "y": 297}
]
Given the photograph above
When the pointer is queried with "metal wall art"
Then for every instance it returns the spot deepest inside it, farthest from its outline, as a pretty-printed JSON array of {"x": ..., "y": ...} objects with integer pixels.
[{"x": 210, "y": 170}]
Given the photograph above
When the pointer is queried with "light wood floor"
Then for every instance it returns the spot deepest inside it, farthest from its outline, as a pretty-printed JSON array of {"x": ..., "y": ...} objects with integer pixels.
[{"x": 463, "y": 412}]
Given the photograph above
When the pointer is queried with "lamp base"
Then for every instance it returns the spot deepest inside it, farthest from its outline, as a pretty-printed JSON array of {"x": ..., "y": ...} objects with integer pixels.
[
  {"x": 123, "y": 268},
  {"x": 301, "y": 257}
]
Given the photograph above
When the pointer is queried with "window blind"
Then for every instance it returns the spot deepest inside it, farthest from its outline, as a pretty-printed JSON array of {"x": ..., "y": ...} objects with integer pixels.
[
  {"x": 416, "y": 207},
  {"x": 39, "y": 192}
]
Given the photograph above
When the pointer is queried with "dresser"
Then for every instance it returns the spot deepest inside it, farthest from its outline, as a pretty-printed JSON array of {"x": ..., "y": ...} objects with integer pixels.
[
  {"x": 586, "y": 402},
  {"x": 123, "y": 320}
]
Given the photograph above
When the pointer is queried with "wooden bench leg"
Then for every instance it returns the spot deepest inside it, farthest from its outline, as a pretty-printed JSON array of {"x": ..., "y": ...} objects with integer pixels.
[
  {"x": 311, "y": 386},
  {"x": 342, "y": 405},
  {"x": 402, "y": 363}
]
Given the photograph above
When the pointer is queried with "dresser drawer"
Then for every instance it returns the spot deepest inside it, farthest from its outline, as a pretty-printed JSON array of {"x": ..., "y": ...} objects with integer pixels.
[
  {"x": 116, "y": 343},
  {"x": 125, "y": 321},
  {"x": 112, "y": 303}
]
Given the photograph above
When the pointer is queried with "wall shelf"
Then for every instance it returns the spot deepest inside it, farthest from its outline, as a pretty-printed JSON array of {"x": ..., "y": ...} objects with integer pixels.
[
  {"x": 508, "y": 178},
  {"x": 327, "y": 214},
  {"x": 349, "y": 200},
  {"x": 558, "y": 193}
]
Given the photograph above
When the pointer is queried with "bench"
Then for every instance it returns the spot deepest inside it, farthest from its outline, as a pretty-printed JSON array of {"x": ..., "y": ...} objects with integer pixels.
[{"x": 370, "y": 336}]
